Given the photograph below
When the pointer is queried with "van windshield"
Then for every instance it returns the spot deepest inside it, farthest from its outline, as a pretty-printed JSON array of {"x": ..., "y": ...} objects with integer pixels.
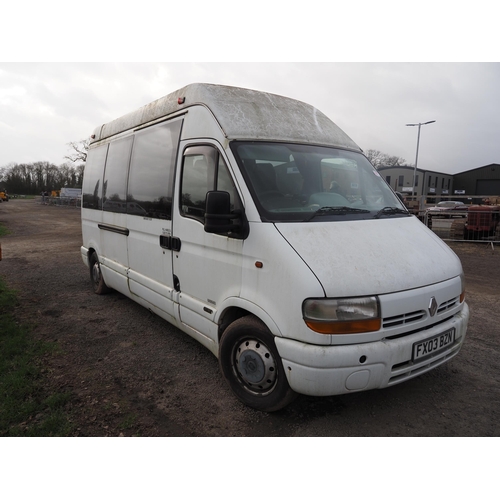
[{"x": 296, "y": 182}]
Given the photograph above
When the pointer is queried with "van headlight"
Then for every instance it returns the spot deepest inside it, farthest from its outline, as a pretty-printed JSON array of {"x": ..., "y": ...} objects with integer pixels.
[
  {"x": 462, "y": 282},
  {"x": 342, "y": 316}
]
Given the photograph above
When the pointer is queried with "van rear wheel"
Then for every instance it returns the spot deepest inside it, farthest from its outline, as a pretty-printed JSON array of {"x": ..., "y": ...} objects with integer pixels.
[
  {"x": 250, "y": 363},
  {"x": 98, "y": 284}
]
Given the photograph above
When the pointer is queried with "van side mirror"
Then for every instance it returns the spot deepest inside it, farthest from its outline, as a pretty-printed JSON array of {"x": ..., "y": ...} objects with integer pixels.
[{"x": 218, "y": 216}]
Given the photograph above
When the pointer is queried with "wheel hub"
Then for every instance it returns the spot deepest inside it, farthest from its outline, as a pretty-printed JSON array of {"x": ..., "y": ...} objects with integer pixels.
[{"x": 255, "y": 365}]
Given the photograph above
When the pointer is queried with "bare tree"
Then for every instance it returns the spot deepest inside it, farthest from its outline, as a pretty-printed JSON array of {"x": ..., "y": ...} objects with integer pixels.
[
  {"x": 379, "y": 159},
  {"x": 79, "y": 151},
  {"x": 3, "y": 171},
  {"x": 32, "y": 178}
]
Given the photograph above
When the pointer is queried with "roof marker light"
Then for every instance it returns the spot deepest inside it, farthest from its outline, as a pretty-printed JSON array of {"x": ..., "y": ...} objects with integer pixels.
[{"x": 181, "y": 100}]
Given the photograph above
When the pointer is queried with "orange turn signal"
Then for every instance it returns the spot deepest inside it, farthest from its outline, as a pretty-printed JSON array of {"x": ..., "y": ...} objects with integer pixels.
[{"x": 344, "y": 327}]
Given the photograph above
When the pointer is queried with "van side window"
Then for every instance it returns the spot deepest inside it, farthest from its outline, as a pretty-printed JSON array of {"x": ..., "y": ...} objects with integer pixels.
[
  {"x": 115, "y": 176},
  {"x": 92, "y": 181},
  {"x": 203, "y": 170},
  {"x": 152, "y": 168}
]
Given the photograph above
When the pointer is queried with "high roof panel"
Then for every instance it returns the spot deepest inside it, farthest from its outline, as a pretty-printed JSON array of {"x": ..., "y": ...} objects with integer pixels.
[{"x": 242, "y": 114}]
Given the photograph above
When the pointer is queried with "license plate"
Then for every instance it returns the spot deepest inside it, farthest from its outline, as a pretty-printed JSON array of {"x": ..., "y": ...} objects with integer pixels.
[{"x": 434, "y": 344}]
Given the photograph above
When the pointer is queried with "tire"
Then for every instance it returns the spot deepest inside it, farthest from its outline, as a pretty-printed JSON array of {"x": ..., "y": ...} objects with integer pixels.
[
  {"x": 251, "y": 365},
  {"x": 96, "y": 278}
]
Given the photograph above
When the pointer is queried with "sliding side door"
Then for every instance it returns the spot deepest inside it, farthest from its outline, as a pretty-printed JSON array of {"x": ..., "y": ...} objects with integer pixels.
[{"x": 149, "y": 214}]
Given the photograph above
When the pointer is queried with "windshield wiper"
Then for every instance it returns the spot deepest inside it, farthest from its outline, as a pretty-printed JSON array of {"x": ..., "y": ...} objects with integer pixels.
[
  {"x": 391, "y": 211},
  {"x": 336, "y": 211}
]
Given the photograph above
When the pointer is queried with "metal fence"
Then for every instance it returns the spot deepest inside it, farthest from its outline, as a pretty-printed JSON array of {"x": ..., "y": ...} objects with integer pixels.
[
  {"x": 63, "y": 201},
  {"x": 476, "y": 220},
  {"x": 478, "y": 223}
]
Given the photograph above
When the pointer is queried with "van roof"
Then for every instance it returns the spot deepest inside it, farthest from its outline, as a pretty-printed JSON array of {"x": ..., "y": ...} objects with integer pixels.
[{"x": 242, "y": 114}]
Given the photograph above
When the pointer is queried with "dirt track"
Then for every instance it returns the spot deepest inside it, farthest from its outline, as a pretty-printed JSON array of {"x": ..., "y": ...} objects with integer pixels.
[{"x": 131, "y": 373}]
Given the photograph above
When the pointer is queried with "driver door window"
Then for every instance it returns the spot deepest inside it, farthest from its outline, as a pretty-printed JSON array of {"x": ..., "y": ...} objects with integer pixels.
[{"x": 203, "y": 170}]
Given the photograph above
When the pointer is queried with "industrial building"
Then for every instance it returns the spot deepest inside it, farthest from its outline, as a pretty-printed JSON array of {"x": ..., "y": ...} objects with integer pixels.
[
  {"x": 478, "y": 182},
  {"x": 481, "y": 181}
]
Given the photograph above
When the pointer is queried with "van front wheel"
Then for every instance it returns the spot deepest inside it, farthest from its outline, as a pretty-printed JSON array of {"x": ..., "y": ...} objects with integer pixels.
[
  {"x": 96, "y": 278},
  {"x": 250, "y": 363}
]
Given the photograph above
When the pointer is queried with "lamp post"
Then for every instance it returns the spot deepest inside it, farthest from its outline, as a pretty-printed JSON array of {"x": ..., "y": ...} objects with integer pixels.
[{"x": 413, "y": 193}]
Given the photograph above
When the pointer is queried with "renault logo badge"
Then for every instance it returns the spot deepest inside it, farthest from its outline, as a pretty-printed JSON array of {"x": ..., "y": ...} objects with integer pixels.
[{"x": 433, "y": 305}]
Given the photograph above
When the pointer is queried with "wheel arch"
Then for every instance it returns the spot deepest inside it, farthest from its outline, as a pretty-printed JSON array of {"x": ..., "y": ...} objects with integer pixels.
[
  {"x": 251, "y": 364},
  {"x": 90, "y": 252},
  {"x": 235, "y": 308}
]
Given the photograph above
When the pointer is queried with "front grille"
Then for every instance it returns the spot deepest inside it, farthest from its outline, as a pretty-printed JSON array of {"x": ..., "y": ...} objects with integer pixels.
[
  {"x": 403, "y": 319},
  {"x": 447, "y": 305},
  {"x": 411, "y": 317},
  {"x": 411, "y": 332}
]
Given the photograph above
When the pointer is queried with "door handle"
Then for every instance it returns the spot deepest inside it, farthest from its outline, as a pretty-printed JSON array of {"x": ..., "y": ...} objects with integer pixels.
[
  {"x": 170, "y": 243},
  {"x": 176, "y": 244}
]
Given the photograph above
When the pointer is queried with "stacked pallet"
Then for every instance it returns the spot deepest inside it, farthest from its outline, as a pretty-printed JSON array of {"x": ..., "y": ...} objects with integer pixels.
[{"x": 457, "y": 230}]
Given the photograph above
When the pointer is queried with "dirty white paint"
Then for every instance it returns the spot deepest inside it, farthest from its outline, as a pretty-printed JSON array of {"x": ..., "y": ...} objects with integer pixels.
[
  {"x": 242, "y": 114},
  {"x": 356, "y": 258}
]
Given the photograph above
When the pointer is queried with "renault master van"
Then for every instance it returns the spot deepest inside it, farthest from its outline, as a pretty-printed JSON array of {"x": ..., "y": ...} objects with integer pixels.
[{"x": 251, "y": 222}]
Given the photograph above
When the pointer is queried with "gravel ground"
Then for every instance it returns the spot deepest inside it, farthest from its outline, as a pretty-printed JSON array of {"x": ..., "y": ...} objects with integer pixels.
[{"x": 131, "y": 373}]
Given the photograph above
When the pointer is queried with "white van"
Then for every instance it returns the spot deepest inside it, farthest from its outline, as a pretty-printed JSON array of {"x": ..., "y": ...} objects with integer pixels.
[{"x": 254, "y": 224}]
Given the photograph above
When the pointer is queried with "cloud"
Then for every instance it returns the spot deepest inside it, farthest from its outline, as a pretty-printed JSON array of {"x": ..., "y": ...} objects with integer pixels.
[{"x": 44, "y": 106}]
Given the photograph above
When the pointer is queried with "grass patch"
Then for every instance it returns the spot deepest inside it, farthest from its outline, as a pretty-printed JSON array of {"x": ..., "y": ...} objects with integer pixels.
[
  {"x": 3, "y": 230},
  {"x": 26, "y": 409},
  {"x": 128, "y": 422}
]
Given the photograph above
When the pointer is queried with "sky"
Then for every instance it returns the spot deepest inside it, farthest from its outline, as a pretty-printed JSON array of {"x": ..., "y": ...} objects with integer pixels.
[
  {"x": 46, "y": 105},
  {"x": 370, "y": 67}
]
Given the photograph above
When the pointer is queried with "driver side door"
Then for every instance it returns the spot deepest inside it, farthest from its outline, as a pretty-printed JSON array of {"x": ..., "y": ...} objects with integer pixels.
[{"x": 206, "y": 266}]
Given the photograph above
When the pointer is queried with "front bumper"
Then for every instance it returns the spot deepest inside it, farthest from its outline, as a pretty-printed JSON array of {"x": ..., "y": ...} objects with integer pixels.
[
  {"x": 329, "y": 370},
  {"x": 84, "y": 252}
]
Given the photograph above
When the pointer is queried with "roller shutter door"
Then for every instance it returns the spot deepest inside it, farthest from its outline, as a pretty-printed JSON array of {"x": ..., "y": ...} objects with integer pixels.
[{"x": 488, "y": 187}]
